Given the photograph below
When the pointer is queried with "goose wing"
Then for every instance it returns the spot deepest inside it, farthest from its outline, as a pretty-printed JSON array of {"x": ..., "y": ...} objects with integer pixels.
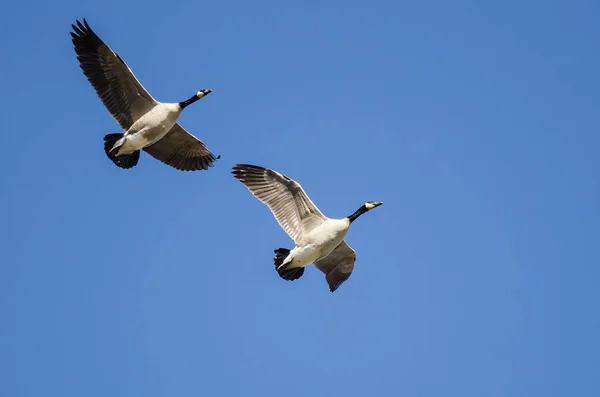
[
  {"x": 338, "y": 265},
  {"x": 182, "y": 150},
  {"x": 122, "y": 94},
  {"x": 286, "y": 199}
]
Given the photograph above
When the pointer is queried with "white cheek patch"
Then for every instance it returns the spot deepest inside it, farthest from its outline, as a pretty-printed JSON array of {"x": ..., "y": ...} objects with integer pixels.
[{"x": 369, "y": 206}]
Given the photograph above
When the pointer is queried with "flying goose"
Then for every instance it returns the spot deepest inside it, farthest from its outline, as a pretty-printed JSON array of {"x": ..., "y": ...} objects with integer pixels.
[
  {"x": 319, "y": 240},
  {"x": 149, "y": 125}
]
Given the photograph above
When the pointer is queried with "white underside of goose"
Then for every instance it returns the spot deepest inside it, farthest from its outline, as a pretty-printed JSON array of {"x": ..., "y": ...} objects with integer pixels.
[
  {"x": 319, "y": 242},
  {"x": 149, "y": 128}
]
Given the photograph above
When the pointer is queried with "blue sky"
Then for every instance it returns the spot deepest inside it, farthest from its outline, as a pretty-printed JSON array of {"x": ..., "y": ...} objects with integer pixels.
[{"x": 475, "y": 122}]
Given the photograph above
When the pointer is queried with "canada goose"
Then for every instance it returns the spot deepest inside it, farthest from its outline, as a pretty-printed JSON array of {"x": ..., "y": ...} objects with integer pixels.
[
  {"x": 319, "y": 240},
  {"x": 149, "y": 125}
]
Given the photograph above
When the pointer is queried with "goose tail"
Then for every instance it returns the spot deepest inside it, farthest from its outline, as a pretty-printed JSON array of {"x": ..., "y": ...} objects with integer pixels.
[
  {"x": 112, "y": 142},
  {"x": 283, "y": 271}
]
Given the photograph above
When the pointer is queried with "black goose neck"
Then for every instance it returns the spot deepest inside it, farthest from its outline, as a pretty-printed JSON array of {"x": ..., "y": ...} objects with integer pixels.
[
  {"x": 357, "y": 213},
  {"x": 188, "y": 101}
]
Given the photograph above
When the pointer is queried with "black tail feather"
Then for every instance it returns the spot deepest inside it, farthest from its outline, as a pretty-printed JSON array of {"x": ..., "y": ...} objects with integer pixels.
[
  {"x": 284, "y": 272},
  {"x": 123, "y": 161},
  {"x": 280, "y": 255}
]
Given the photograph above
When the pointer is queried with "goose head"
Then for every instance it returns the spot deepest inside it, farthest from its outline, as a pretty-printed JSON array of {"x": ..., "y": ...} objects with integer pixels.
[
  {"x": 203, "y": 92},
  {"x": 369, "y": 205}
]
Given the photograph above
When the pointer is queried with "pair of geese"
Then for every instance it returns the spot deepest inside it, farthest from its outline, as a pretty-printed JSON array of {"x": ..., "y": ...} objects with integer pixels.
[{"x": 152, "y": 126}]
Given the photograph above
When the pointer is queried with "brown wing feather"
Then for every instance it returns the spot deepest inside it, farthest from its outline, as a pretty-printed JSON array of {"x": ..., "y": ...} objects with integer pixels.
[
  {"x": 338, "y": 265},
  {"x": 181, "y": 150},
  {"x": 116, "y": 85},
  {"x": 292, "y": 208}
]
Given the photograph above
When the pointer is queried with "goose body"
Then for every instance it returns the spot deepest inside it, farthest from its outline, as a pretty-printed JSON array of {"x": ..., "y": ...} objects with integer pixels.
[
  {"x": 318, "y": 243},
  {"x": 319, "y": 240},
  {"x": 149, "y": 128},
  {"x": 148, "y": 124}
]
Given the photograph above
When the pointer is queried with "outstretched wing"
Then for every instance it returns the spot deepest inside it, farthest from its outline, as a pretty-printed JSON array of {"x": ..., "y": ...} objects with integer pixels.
[
  {"x": 286, "y": 199},
  {"x": 120, "y": 91},
  {"x": 182, "y": 150},
  {"x": 338, "y": 265}
]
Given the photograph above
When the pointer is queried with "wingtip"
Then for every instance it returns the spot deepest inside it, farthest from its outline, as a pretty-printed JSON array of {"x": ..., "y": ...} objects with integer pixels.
[
  {"x": 83, "y": 27},
  {"x": 244, "y": 165},
  {"x": 79, "y": 28},
  {"x": 240, "y": 171},
  {"x": 239, "y": 168}
]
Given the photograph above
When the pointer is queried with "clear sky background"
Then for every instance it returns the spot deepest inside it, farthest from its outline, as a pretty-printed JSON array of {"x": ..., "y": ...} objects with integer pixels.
[{"x": 476, "y": 123}]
